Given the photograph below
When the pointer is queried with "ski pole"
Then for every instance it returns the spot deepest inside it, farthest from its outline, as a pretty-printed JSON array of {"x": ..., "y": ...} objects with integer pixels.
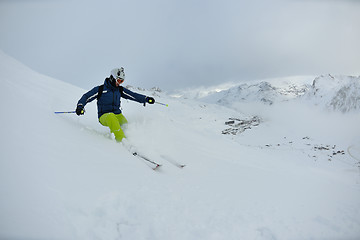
[
  {"x": 166, "y": 105},
  {"x": 65, "y": 112}
]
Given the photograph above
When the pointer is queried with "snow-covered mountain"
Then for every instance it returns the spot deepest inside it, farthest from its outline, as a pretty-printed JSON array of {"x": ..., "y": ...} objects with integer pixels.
[
  {"x": 336, "y": 93},
  {"x": 290, "y": 171},
  {"x": 267, "y": 92}
]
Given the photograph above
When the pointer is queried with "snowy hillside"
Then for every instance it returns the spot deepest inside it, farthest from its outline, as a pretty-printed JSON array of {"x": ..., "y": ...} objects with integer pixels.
[
  {"x": 292, "y": 173},
  {"x": 339, "y": 93}
]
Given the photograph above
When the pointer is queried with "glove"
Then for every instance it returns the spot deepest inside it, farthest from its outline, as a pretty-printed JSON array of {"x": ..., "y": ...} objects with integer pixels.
[
  {"x": 80, "y": 110},
  {"x": 150, "y": 100}
]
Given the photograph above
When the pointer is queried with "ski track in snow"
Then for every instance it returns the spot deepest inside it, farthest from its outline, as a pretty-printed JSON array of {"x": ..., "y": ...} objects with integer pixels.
[{"x": 64, "y": 176}]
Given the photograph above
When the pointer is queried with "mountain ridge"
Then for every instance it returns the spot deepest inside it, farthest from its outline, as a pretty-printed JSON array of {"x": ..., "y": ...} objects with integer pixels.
[{"x": 334, "y": 93}]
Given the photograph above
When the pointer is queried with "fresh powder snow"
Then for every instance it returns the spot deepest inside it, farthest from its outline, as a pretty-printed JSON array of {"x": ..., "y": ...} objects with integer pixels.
[{"x": 267, "y": 160}]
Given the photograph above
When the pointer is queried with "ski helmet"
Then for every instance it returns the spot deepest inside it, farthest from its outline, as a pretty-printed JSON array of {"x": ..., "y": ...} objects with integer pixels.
[{"x": 118, "y": 73}]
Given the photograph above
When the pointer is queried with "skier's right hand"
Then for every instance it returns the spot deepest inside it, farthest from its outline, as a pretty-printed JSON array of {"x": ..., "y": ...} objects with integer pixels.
[{"x": 80, "y": 110}]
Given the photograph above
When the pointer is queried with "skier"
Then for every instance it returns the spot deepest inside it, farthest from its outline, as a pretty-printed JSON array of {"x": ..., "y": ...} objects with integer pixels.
[{"x": 108, "y": 102}]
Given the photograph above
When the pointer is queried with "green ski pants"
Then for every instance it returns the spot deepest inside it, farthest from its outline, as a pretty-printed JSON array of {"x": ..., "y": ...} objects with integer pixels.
[{"x": 114, "y": 122}]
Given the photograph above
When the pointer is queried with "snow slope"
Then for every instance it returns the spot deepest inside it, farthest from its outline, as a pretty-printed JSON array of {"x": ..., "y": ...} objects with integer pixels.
[{"x": 63, "y": 177}]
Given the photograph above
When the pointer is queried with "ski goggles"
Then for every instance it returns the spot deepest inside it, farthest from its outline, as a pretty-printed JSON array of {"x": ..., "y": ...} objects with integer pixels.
[{"x": 120, "y": 80}]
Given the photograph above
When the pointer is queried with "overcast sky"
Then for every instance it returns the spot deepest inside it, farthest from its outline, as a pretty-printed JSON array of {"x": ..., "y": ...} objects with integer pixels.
[{"x": 182, "y": 43}]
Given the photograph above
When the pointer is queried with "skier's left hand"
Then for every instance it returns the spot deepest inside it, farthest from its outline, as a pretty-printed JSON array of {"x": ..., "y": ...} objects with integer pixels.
[{"x": 150, "y": 100}]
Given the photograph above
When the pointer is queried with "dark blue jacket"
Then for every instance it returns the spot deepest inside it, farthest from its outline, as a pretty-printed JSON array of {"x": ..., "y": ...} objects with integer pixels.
[{"x": 109, "y": 100}]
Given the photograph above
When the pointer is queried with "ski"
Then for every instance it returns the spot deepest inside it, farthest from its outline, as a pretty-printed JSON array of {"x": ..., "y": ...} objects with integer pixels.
[
  {"x": 154, "y": 165},
  {"x": 173, "y": 162}
]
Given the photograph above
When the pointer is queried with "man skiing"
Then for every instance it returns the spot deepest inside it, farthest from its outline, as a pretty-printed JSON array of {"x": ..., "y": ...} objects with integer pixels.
[{"x": 108, "y": 102}]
